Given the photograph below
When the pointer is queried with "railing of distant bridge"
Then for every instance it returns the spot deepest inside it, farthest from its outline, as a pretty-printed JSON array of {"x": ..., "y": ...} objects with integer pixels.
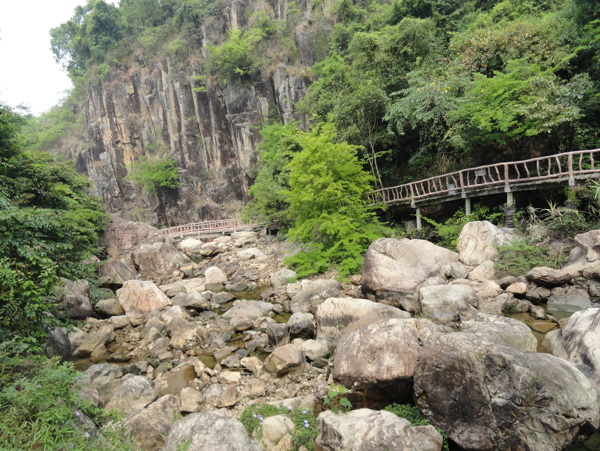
[
  {"x": 559, "y": 167},
  {"x": 218, "y": 225}
]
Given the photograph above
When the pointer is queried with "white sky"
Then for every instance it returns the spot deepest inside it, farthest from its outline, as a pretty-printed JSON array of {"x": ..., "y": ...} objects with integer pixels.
[{"x": 28, "y": 73}]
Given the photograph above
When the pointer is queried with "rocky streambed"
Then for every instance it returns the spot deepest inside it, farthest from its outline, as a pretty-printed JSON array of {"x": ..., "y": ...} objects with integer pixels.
[{"x": 197, "y": 332}]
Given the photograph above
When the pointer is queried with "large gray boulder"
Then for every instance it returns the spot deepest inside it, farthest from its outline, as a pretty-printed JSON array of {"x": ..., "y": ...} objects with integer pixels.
[
  {"x": 159, "y": 260},
  {"x": 313, "y": 293},
  {"x": 488, "y": 396},
  {"x": 135, "y": 393},
  {"x": 448, "y": 304},
  {"x": 212, "y": 431},
  {"x": 116, "y": 271},
  {"x": 569, "y": 298},
  {"x": 366, "y": 429},
  {"x": 335, "y": 314},
  {"x": 548, "y": 277},
  {"x": 103, "y": 378},
  {"x": 122, "y": 236},
  {"x": 215, "y": 278},
  {"x": 150, "y": 427},
  {"x": 75, "y": 298},
  {"x": 395, "y": 269},
  {"x": 501, "y": 329},
  {"x": 248, "y": 309},
  {"x": 378, "y": 360},
  {"x": 579, "y": 342},
  {"x": 284, "y": 359},
  {"x": 137, "y": 296},
  {"x": 479, "y": 241}
]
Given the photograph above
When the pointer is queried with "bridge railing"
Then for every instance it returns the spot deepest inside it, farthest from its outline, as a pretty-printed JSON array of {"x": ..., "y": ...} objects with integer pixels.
[
  {"x": 218, "y": 225},
  {"x": 562, "y": 166}
]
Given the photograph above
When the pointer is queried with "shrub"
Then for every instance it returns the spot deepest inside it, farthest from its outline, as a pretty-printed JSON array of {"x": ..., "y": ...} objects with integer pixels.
[{"x": 154, "y": 174}]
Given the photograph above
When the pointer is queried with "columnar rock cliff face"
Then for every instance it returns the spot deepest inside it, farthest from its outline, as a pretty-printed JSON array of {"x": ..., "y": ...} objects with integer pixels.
[{"x": 151, "y": 108}]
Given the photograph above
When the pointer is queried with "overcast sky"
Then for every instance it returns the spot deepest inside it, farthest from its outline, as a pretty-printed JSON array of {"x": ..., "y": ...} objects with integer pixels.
[{"x": 28, "y": 73}]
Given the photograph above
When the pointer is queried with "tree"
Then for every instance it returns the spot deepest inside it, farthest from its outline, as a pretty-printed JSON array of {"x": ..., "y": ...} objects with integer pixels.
[
  {"x": 328, "y": 206},
  {"x": 49, "y": 225},
  {"x": 155, "y": 174}
]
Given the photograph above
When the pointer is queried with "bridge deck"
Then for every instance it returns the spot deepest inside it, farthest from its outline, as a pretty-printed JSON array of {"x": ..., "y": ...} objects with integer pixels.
[
  {"x": 208, "y": 227},
  {"x": 495, "y": 178}
]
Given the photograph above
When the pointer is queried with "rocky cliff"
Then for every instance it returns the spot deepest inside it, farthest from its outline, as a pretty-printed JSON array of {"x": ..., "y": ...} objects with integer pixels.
[{"x": 151, "y": 108}]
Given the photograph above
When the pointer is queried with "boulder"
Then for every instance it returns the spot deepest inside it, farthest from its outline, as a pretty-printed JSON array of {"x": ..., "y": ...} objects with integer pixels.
[
  {"x": 159, "y": 260},
  {"x": 315, "y": 349},
  {"x": 122, "y": 236},
  {"x": 284, "y": 359},
  {"x": 221, "y": 395},
  {"x": 274, "y": 429},
  {"x": 501, "y": 329},
  {"x": 483, "y": 271},
  {"x": 478, "y": 242},
  {"x": 59, "y": 343},
  {"x": 189, "y": 400},
  {"x": 135, "y": 393},
  {"x": 448, "y": 303},
  {"x": 143, "y": 297},
  {"x": 212, "y": 431},
  {"x": 395, "y": 269},
  {"x": 518, "y": 289},
  {"x": 283, "y": 277},
  {"x": 335, "y": 314},
  {"x": 214, "y": 278},
  {"x": 116, "y": 271},
  {"x": 301, "y": 325},
  {"x": 173, "y": 381},
  {"x": 252, "y": 253},
  {"x": 104, "y": 378},
  {"x": 95, "y": 340},
  {"x": 194, "y": 300},
  {"x": 579, "y": 342},
  {"x": 312, "y": 293},
  {"x": 75, "y": 298},
  {"x": 109, "y": 307},
  {"x": 569, "y": 298},
  {"x": 190, "y": 247},
  {"x": 548, "y": 277},
  {"x": 210, "y": 249},
  {"x": 248, "y": 309},
  {"x": 490, "y": 396},
  {"x": 589, "y": 243},
  {"x": 457, "y": 271},
  {"x": 378, "y": 360},
  {"x": 150, "y": 426},
  {"x": 366, "y": 429}
]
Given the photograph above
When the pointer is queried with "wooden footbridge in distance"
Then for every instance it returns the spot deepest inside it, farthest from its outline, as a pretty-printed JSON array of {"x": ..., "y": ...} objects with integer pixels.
[
  {"x": 496, "y": 178},
  {"x": 209, "y": 228},
  {"x": 508, "y": 177}
]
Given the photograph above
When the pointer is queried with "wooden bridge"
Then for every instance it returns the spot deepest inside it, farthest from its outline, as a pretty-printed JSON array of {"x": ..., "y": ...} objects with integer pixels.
[{"x": 207, "y": 228}]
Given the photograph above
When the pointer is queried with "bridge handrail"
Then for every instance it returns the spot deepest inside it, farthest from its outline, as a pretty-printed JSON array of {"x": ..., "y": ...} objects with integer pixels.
[
  {"x": 216, "y": 225},
  {"x": 563, "y": 165}
]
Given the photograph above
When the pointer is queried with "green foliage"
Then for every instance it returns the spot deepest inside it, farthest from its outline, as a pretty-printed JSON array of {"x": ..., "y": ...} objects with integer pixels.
[
  {"x": 153, "y": 174},
  {"x": 416, "y": 418},
  {"x": 519, "y": 256},
  {"x": 446, "y": 234},
  {"x": 49, "y": 226},
  {"x": 40, "y": 409},
  {"x": 269, "y": 203},
  {"x": 335, "y": 401},
  {"x": 305, "y": 428},
  {"x": 237, "y": 55},
  {"x": 328, "y": 205}
]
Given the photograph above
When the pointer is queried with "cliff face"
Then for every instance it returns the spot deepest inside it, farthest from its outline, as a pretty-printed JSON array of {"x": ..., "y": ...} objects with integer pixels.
[{"x": 152, "y": 109}]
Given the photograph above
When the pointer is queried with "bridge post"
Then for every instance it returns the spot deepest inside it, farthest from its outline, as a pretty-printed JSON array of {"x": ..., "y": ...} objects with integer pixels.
[
  {"x": 418, "y": 215},
  {"x": 468, "y": 206},
  {"x": 510, "y": 199}
]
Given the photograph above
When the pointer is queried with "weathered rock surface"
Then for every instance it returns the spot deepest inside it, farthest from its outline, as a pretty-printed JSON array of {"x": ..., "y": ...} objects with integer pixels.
[
  {"x": 74, "y": 298},
  {"x": 448, "y": 303},
  {"x": 335, "y": 314},
  {"x": 284, "y": 359},
  {"x": 489, "y": 396},
  {"x": 212, "y": 431},
  {"x": 248, "y": 309},
  {"x": 366, "y": 429},
  {"x": 139, "y": 296},
  {"x": 116, "y": 272},
  {"x": 159, "y": 260},
  {"x": 501, "y": 329},
  {"x": 395, "y": 269},
  {"x": 478, "y": 242},
  {"x": 282, "y": 277},
  {"x": 314, "y": 292},
  {"x": 569, "y": 298},
  {"x": 215, "y": 278},
  {"x": 379, "y": 359},
  {"x": 150, "y": 427},
  {"x": 123, "y": 236},
  {"x": 135, "y": 393},
  {"x": 548, "y": 277}
]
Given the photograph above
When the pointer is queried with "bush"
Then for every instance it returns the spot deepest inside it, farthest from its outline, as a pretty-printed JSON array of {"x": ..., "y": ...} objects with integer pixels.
[
  {"x": 154, "y": 174},
  {"x": 40, "y": 409},
  {"x": 305, "y": 429}
]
